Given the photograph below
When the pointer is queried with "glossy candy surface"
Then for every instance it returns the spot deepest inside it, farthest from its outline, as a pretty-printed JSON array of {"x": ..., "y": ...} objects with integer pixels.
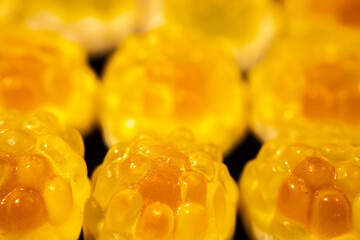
[
  {"x": 43, "y": 178},
  {"x": 161, "y": 189},
  {"x": 305, "y": 82},
  {"x": 303, "y": 189},
  {"x": 42, "y": 71},
  {"x": 161, "y": 81}
]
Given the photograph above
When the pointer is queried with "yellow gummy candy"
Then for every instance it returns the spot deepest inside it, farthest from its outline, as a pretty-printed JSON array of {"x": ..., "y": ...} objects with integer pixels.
[
  {"x": 43, "y": 182},
  {"x": 305, "y": 82},
  {"x": 161, "y": 81},
  {"x": 149, "y": 189},
  {"x": 290, "y": 191},
  {"x": 42, "y": 71}
]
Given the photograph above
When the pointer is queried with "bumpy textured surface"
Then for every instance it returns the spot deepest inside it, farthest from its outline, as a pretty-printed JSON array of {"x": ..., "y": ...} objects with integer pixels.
[
  {"x": 96, "y": 24},
  {"x": 237, "y": 20},
  {"x": 307, "y": 81},
  {"x": 43, "y": 178},
  {"x": 303, "y": 189},
  {"x": 41, "y": 71},
  {"x": 161, "y": 81},
  {"x": 161, "y": 189},
  {"x": 303, "y": 15}
]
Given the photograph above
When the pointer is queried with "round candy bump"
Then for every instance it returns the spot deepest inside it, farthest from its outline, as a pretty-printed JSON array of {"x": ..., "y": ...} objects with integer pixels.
[
  {"x": 17, "y": 141},
  {"x": 21, "y": 210},
  {"x": 347, "y": 177},
  {"x": 156, "y": 222},
  {"x": 294, "y": 200},
  {"x": 297, "y": 152},
  {"x": 284, "y": 229},
  {"x": 134, "y": 168},
  {"x": 193, "y": 187},
  {"x": 191, "y": 222},
  {"x": 74, "y": 139},
  {"x": 7, "y": 174},
  {"x": 315, "y": 171},
  {"x": 123, "y": 211},
  {"x": 33, "y": 170},
  {"x": 336, "y": 152},
  {"x": 331, "y": 213},
  {"x": 93, "y": 216},
  {"x": 202, "y": 163},
  {"x": 9, "y": 121},
  {"x": 58, "y": 199},
  {"x": 218, "y": 203}
]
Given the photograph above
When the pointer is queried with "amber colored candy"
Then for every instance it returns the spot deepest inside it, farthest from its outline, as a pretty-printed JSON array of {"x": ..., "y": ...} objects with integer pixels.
[
  {"x": 41, "y": 71},
  {"x": 161, "y": 81},
  {"x": 316, "y": 85},
  {"x": 332, "y": 214},
  {"x": 43, "y": 180},
  {"x": 303, "y": 188},
  {"x": 155, "y": 188},
  {"x": 332, "y": 92}
]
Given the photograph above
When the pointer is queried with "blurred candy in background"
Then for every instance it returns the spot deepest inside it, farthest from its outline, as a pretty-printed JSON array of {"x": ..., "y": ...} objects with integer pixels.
[
  {"x": 97, "y": 25},
  {"x": 167, "y": 79},
  {"x": 303, "y": 15},
  {"x": 39, "y": 70},
  {"x": 307, "y": 81},
  {"x": 246, "y": 25}
]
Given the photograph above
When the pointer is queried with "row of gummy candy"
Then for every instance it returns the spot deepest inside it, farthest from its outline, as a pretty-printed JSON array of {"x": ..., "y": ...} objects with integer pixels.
[{"x": 158, "y": 180}]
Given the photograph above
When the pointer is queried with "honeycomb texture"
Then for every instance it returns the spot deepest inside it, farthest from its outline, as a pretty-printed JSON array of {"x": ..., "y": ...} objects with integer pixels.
[
  {"x": 40, "y": 71},
  {"x": 161, "y": 81},
  {"x": 98, "y": 25},
  {"x": 305, "y": 82},
  {"x": 161, "y": 189},
  {"x": 43, "y": 178},
  {"x": 303, "y": 188}
]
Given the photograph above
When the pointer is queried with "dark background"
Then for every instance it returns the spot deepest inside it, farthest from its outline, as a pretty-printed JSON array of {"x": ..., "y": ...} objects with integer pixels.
[{"x": 245, "y": 151}]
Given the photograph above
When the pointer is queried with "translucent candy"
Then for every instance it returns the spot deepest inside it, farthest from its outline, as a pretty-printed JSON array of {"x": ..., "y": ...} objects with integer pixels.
[
  {"x": 239, "y": 22},
  {"x": 37, "y": 199},
  {"x": 41, "y": 71},
  {"x": 149, "y": 195},
  {"x": 316, "y": 85},
  {"x": 160, "y": 81},
  {"x": 317, "y": 198}
]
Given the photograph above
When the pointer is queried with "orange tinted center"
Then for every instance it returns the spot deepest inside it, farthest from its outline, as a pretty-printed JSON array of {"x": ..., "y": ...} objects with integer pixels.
[
  {"x": 310, "y": 197},
  {"x": 346, "y": 11},
  {"x": 27, "y": 82},
  {"x": 22, "y": 207},
  {"x": 332, "y": 92},
  {"x": 179, "y": 91},
  {"x": 163, "y": 190}
]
